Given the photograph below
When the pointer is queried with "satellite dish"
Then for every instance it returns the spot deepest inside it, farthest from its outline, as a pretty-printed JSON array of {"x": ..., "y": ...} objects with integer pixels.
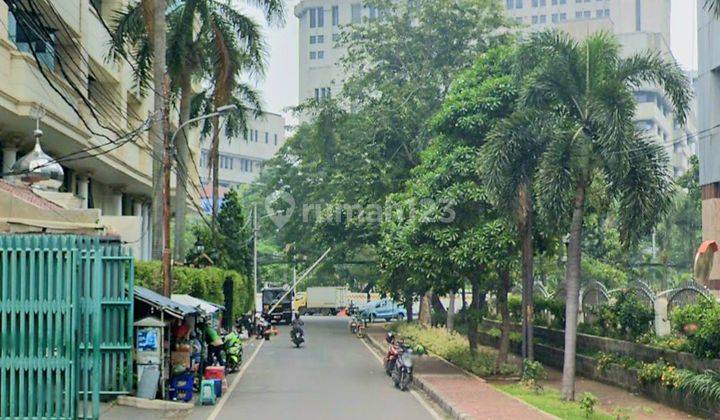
[{"x": 704, "y": 261}]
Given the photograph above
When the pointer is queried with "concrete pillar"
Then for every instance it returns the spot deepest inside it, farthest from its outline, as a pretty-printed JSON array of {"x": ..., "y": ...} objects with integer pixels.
[
  {"x": 9, "y": 157},
  {"x": 146, "y": 232},
  {"x": 137, "y": 208},
  {"x": 116, "y": 202},
  {"x": 82, "y": 189},
  {"x": 662, "y": 323}
]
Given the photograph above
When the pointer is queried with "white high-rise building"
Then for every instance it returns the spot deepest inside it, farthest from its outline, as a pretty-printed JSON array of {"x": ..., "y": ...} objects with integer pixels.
[
  {"x": 640, "y": 25},
  {"x": 320, "y": 21},
  {"x": 242, "y": 157},
  {"x": 708, "y": 90}
]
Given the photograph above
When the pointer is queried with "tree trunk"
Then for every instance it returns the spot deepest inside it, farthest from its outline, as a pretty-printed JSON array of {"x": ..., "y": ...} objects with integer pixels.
[
  {"x": 474, "y": 314},
  {"x": 572, "y": 285},
  {"x": 437, "y": 307},
  {"x": 409, "y": 307},
  {"x": 450, "y": 323},
  {"x": 462, "y": 293},
  {"x": 157, "y": 131},
  {"x": 215, "y": 158},
  {"x": 525, "y": 227},
  {"x": 505, "y": 317},
  {"x": 424, "y": 316},
  {"x": 183, "y": 173}
]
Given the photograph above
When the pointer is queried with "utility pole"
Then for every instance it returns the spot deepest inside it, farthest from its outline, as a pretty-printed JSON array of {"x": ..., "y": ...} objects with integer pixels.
[
  {"x": 166, "y": 256},
  {"x": 255, "y": 255},
  {"x": 157, "y": 130}
]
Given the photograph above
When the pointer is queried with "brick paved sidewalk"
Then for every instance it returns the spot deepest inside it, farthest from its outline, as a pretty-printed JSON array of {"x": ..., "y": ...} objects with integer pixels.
[{"x": 467, "y": 394}]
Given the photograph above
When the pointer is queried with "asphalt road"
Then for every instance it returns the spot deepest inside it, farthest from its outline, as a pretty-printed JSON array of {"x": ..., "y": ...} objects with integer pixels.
[{"x": 333, "y": 376}]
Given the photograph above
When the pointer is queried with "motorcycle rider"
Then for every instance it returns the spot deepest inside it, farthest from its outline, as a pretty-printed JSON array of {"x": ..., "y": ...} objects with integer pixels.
[{"x": 297, "y": 326}]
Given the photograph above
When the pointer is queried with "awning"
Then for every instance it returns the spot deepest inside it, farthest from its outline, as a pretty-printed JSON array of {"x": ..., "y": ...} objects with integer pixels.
[
  {"x": 207, "y": 307},
  {"x": 169, "y": 306}
]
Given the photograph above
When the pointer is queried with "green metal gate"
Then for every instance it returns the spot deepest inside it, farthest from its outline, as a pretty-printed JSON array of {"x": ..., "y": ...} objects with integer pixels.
[{"x": 66, "y": 319}]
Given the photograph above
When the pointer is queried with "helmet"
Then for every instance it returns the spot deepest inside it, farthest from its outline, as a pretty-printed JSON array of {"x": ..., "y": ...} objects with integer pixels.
[{"x": 389, "y": 337}]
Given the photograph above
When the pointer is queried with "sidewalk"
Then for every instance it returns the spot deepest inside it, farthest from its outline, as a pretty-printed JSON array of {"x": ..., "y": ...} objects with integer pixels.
[{"x": 467, "y": 396}]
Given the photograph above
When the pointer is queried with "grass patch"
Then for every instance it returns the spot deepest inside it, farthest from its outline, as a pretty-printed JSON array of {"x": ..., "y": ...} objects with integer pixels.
[
  {"x": 453, "y": 347},
  {"x": 549, "y": 401}
]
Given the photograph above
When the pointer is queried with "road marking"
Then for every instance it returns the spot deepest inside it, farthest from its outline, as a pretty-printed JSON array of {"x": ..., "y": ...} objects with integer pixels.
[
  {"x": 235, "y": 381},
  {"x": 414, "y": 393}
]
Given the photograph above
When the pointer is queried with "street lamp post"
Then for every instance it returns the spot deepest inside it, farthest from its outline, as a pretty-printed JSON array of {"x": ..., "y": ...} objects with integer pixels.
[{"x": 166, "y": 259}]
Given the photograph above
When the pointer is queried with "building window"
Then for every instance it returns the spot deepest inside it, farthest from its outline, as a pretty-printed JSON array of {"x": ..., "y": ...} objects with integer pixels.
[
  {"x": 317, "y": 17},
  {"x": 336, "y": 37},
  {"x": 28, "y": 40},
  {"x": 534, "y": 20},
  {"x": 542, "y": 19},
  {"x": 556, "y": 2},
  {"x": 320, "y": 55},
  {"x": 563, "y": 17},
  {"x": 519, "y": 19},
  {"x": 555, "y": 18},
  {"x": 335, "y": 15},
  {"x": 322, "y": 93},
  {"x": 256, "y": 136},
  {"x": 372, "y": 12},
  {"x": 313, "y": 55},
  {"x": 510, "y": 4},
  {"x": 313, "y": 39},
  {"x": 518, "y": 4},
  {"x": 355, "y": 13},
  {"x": 267, "y": 137},
  {"x": 534, "y": 3},
  {"x": 275, "y": 139},
  {"x": 602, "y": 13}
]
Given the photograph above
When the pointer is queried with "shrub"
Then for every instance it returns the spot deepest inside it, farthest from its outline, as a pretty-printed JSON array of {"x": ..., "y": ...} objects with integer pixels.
[
  {"x": 668, "y": 375},
  {"x": 587, "y": 404},
  {"x": 705, "y": 386},
  {"x": 627, "y": 318},
  {"x": 532, "y": 373},
  {"x": 700, "y": 324},
  {"x": 203, "y": 283},
  {"x": 556, "y": 308}
]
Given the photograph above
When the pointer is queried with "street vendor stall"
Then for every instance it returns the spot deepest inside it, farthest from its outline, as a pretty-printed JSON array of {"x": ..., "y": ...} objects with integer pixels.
[{"x": 164, "y": 329}]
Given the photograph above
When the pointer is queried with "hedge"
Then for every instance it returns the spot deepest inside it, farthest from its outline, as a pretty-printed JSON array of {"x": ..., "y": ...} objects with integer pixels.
[{"x": 203, "y": 283}]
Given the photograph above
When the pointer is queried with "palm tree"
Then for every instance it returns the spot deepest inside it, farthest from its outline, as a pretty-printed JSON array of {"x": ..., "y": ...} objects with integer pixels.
[
  {"x": 509, "y": 159},
  {"x": 233, "y": 44},
  {"x": 590, "y": 87},
  {"x": 713, "y": 6}
]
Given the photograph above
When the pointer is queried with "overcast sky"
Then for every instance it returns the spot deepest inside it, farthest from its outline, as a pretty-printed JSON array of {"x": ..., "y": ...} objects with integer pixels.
[{"x": 280, "y": 86}]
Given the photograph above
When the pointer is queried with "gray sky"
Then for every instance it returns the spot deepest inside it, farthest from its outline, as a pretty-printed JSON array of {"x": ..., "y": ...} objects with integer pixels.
[{"x": 280, "y": 86}]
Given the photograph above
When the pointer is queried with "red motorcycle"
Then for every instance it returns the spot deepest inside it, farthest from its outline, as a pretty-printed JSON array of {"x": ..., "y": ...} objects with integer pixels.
[{"x": 392, "y": 353}]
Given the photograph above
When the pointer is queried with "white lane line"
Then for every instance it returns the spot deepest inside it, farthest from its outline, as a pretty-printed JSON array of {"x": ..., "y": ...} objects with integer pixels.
[
  {"x": 235, "y": 381},
  {"x": 415, "y": 394}
]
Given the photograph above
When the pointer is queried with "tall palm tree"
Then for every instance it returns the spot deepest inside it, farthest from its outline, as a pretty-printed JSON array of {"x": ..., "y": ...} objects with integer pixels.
[
  {"x": 222, "y": 33},
  {"x": 590, "y": 86},
  {"x": 509, "y": 159},
  {"x": 713, "y": 6}
]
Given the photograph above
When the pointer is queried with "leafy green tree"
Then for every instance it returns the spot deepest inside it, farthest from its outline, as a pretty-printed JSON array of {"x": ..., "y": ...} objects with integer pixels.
[
  {"x": 231, "y": 248},
  {"x": 590, "y": 86}
]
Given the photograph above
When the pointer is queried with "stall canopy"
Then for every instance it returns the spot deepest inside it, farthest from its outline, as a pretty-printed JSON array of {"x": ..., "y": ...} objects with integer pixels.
[
  {"x": 171, "y": 307},
  {"x": 205, "y": 306}
]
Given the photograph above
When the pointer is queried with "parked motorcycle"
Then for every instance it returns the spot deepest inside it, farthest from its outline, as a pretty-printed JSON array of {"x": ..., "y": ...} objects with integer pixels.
[
  {"x": 353, "y": 325},
  {"x": 392, "y": 353},
  {"x": 402, "y": 373},
  {"x": 233, "y": 351}
]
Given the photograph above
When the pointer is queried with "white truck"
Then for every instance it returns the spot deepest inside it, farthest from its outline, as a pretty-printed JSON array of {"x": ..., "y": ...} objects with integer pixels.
[{"x": 323, "y": 300}]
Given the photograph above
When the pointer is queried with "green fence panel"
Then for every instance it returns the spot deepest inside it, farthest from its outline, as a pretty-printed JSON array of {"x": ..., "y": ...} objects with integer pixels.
[
  {"x": 66, "y": 325},
  {"x": 37, "y": 312}
]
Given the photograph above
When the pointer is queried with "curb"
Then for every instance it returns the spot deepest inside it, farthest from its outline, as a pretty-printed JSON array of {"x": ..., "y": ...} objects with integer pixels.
[
  {"x": 152, "y": 404},
  {"x": 428, "y": 389}
]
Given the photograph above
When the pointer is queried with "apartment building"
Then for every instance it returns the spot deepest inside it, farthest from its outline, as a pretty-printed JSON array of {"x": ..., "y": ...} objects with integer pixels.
[
  {"x": 72, "y": 49},
  {"x": 242, "y": 157},
  {"x": 320, "y": 21},
  {"x": 640, "y": 25},
  {"x": 708, "y": 90}
]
